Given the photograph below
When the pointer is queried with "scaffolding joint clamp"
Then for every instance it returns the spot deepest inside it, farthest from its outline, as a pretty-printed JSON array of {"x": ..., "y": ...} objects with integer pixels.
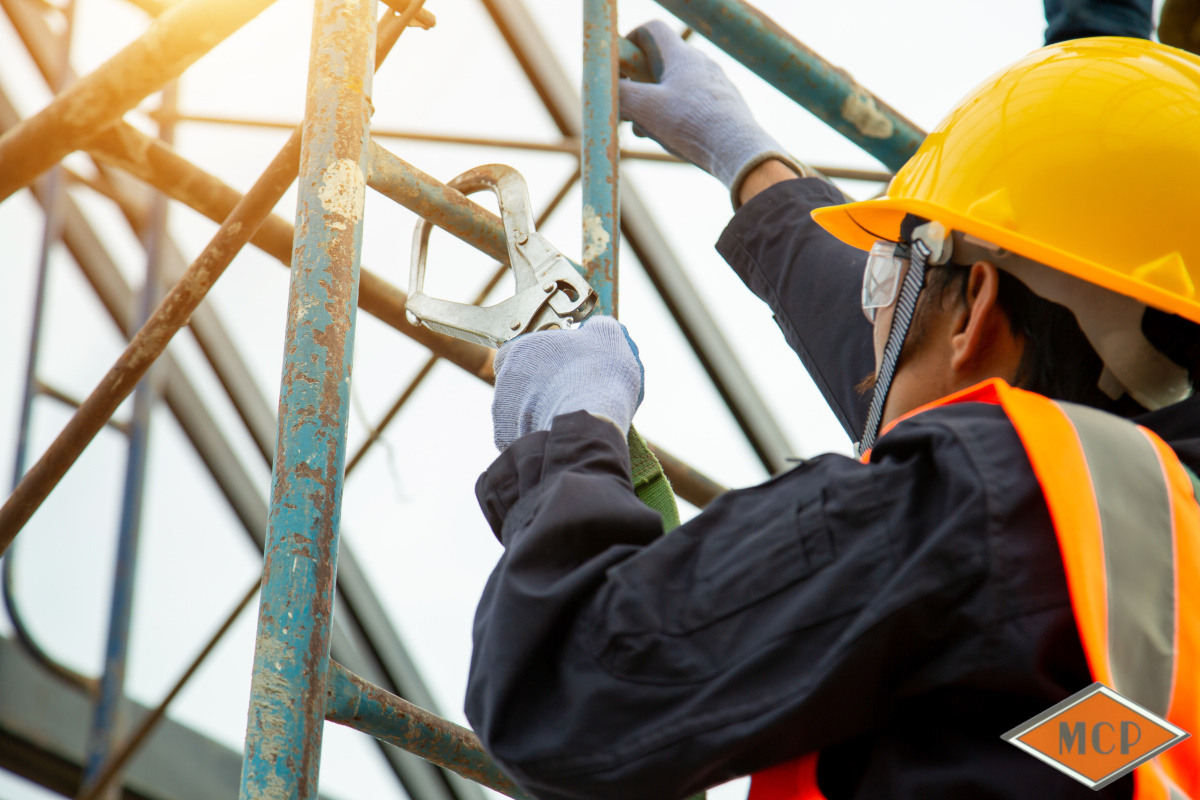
[{"x": 550, "y": 293}]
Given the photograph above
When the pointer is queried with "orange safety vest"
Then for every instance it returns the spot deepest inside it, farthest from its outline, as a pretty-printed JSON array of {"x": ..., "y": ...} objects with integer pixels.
[{"x": 1128, "y": 525}]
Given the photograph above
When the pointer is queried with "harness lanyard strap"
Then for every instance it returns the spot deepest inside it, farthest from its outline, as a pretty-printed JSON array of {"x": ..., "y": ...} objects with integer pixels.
[
  {"x": 650, "y": 483},
  {"x": 902, "y": 317}
]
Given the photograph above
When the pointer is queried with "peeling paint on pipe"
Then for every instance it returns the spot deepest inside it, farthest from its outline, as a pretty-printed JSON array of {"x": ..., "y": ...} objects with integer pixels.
[
  {"x": 599, "y": 151},
  {"x": 752, "y": 38},
  {"x": 357, "y": 703},
  {"x": 245, "y": 214},
  {"x": 287, "y": 690}
]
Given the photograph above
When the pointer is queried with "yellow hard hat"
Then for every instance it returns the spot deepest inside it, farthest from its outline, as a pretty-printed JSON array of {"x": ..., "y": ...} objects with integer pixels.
[{"x": 1084, "y": 156}]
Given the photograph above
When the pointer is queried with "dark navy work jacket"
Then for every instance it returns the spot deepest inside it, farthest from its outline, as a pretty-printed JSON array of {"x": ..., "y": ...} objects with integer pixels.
[{"x": 897, "y": 616}]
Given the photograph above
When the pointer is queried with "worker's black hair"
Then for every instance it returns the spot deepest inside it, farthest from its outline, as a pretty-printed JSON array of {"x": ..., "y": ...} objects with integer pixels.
[
  {"x": 1177, "y": 338},
  {"x": 1057, "y": 361}
]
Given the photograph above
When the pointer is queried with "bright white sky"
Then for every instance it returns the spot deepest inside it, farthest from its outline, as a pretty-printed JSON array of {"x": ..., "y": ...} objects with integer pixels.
[{"x": 409, "y": 510}]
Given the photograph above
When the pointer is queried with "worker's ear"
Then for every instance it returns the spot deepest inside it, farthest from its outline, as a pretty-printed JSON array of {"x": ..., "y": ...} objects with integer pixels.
[{"x": 980, "y": 338}]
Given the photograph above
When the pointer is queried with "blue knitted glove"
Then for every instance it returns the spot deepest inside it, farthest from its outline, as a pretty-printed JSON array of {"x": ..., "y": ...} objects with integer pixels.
[
  {"x": 694, "y": 111},
  {"x": 540, "y": 375}
]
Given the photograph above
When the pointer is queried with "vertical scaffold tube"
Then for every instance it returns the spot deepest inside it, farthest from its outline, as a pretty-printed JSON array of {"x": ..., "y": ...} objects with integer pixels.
[
  {"x": 287, "y": 692},
  {"x": 600, "y": 151},
  {"x": 106, "y": 715}
]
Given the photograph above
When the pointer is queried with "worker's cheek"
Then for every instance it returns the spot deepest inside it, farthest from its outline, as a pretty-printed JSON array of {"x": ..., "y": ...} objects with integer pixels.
[
  {"x": 883, "y": 320},
  {"x": 883, "y": 324}
]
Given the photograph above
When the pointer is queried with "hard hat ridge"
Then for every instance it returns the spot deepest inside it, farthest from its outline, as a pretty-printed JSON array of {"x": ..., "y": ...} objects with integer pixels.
[{"x": 1082, "y": 156}]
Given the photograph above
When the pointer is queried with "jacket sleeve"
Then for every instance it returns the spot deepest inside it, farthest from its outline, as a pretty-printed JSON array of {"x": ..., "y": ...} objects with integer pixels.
[
  {"x": 612, "y": 662},
  {"x": 812, "y": 283}
]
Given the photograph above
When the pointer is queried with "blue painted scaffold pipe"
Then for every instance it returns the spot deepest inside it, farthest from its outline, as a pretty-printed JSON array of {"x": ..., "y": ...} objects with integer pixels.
[
  {"x": 600, "y": 153},
  {"x": 359, "y": 704},
  {"x": 830, "y": 93},
  {"x": 287, "y": 700},
  {"x": 106, "y": 717}
]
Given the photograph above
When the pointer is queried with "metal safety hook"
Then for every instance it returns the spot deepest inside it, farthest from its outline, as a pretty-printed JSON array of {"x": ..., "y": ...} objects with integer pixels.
[{"x": 550, "y": 293}]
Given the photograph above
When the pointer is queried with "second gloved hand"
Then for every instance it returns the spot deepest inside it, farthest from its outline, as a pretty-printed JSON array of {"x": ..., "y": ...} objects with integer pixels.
[
  {"x": 539, "y": 376},
  {"x": 694, "y": 110}
]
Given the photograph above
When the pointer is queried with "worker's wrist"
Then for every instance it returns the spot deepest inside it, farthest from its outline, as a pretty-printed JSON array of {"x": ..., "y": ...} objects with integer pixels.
[
  {"x": 764, "y": 171},
  {"x": 621, "y": 428}
]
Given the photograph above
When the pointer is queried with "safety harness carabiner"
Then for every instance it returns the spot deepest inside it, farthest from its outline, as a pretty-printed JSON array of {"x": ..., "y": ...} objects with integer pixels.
[{"x": 549, "y": 291}]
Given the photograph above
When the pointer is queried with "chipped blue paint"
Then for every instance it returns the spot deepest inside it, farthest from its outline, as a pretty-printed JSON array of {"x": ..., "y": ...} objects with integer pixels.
[
  {"x": 284, "y": 726},
  {"x": 359, "y": 704},
  {"x": 599, "y": 151},
  {"x": 774, "y": 55}
]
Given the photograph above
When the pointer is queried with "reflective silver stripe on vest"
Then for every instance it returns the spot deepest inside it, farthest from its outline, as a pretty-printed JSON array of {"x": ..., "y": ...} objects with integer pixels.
[{"x": 1135, "y": 516}]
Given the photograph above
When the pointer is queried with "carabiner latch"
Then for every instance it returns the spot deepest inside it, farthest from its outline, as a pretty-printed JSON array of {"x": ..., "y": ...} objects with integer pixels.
[{"x": 550, "y": 292}]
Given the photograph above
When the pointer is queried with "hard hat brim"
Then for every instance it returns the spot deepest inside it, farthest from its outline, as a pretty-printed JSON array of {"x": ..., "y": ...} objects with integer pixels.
[{"x": 862, "y": 223}]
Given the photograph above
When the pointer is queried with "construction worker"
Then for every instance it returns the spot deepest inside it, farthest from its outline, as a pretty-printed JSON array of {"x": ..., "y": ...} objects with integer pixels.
[
  {"x": 1072, "y": 19},
  {"x": 869, "y": 628},
  {"x": 1178, "y": 23}
]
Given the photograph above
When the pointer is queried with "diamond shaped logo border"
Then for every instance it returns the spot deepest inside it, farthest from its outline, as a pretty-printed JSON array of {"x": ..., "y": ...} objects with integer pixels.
[{"x": 1012, "y": 736}]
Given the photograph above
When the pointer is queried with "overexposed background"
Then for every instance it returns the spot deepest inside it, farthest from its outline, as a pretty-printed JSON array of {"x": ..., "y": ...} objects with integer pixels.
[{"x": 409, "y": 509}]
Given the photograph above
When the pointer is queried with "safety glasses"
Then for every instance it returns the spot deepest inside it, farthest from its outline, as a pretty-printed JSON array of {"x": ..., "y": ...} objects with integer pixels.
[{"x": 886, "y": 264}]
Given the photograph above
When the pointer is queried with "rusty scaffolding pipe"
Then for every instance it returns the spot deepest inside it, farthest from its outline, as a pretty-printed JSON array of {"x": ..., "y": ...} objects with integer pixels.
[
  {"x": 148, "y": 159},
  {"x": 830, "y": 93},
  {"x": 129, "y": 149},
  {"x": 352, "y": 701},
  {"x": 173, "y": 42},
  {"x": 291, "y": 656},
  {"x": 429, "y": 364},
  {"x": 149, "y": 342},
  {"x": 536, "y": 57},
  {"x": 568, "y": 144},
  {"x": 377, "y": 297},
  {"x": 599, "y": 152},
  {"x": 193, "y": 187},
  {"x": 358, "y": 625}
]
